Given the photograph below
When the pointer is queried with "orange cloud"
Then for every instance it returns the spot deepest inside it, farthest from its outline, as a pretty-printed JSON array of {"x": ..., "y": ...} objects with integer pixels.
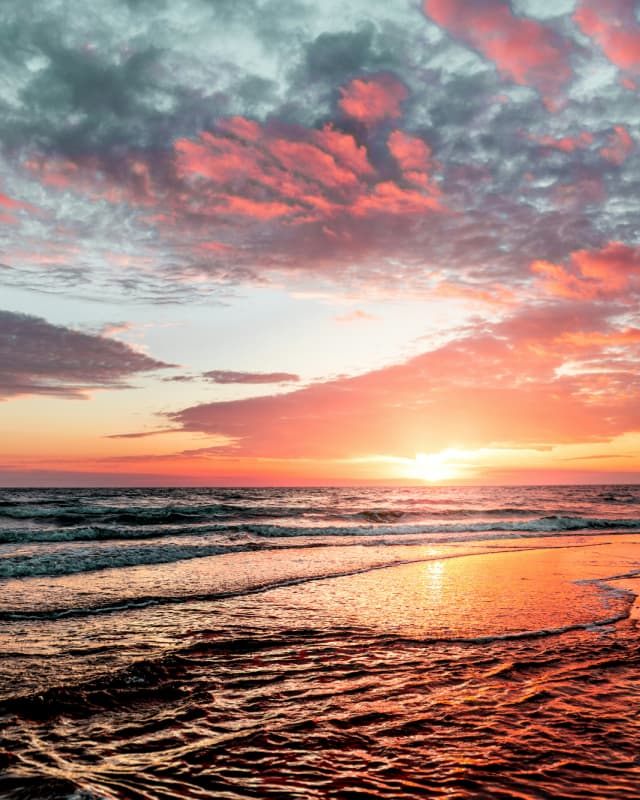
[
  {"x": 622, "y": 338},
  {"x": 525, "y": 51},
  {"x": 511, "y": 383},
  {"x": 610, "y": 272},
  {"x": 371, "y": 101},
  {"x": 620, "y": 146},
  {"x": 613, "y": 27}
]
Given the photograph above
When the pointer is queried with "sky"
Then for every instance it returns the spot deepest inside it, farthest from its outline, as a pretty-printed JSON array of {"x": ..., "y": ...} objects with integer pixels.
[{"x": 283, "y": 242}]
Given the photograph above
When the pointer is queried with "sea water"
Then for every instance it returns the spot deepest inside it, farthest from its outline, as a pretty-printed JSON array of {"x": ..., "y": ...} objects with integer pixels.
[{"x": 320, "y": 643}]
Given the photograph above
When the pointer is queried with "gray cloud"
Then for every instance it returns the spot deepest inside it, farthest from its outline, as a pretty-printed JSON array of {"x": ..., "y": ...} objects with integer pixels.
[
  {"x": 92, "y": 105},
  {"x": 37, "y": 357},
  {"x": 229, "y": 376}
]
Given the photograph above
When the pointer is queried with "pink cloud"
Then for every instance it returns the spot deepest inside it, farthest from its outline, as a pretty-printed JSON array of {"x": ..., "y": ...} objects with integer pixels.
[
  {"x": 612, "y": 272},
  {"x": 372, "y": 100},
  {"x": 613, "y": 27},
  {"x": 414, "y": 158},
  {"x": 318, "y": 194},
  {"x": 583, "y": 188},
  {"x": 218, "y": 158},
  {"x": 8, "y": 202},
  {"x": 92, "y": 176},
  {"x": 389, "y": 198},
  {"x": 524, "y": 50},
  {"x": 303, "y": 177},
  {"x": 619, "y": 146},
  {"x": 246, "y": 207},
  {"x": 443, "y": 398},
  {"x": 311, "y": 162},
  {"x": 216, "y": 247},
  {"x": 344, "y": 148},
  {"x": 241, "y": 127},
  {"x": 566, "y": 143}
]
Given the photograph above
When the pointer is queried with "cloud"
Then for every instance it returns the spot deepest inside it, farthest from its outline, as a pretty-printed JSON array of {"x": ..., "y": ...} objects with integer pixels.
[
  {"x": 294, "y": 177},
  {"x": 613, "y": 26},
  {"x": 619, "y": 146},
  {"x": 156, "y": 156},
  {"x": 37, "y": 357},
  {"x": 333, "y": 55},
  {"x": 524, "y": 50},
  {"x": 540, "y": 377},
  {"x": 373, "y": 100},
  {"x": 413, "y": 155},
  {"x": 114, "y": 328},
  {"x": 229, "y": 376},
  {"x": 566, "y": 144},
  {"x": 8, "y": 202},
  {"x": 612, "y": 272},
  {"x": 139, "y": 434}
]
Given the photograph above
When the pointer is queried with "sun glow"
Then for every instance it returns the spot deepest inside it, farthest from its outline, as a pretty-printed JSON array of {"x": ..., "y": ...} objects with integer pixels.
[{"x": 433, "y": 467}]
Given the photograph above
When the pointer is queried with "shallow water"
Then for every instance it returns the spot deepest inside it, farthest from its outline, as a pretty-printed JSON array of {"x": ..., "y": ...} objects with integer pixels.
[{"x": 361, "y": 660}]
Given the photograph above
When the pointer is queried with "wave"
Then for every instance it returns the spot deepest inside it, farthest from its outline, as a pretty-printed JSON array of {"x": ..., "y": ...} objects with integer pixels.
[
  {"x": 549, "y": 524},
  {"x": 625, "y": 498},
  {"x": 391, "y": 515},
  {"x": 97, "y": 533},
  {"x": 156, "y": 549},
  {"x": 54, "y": 563},
  {"x": 143, "y": 515},
  {"x": 144, "y": 601},
  {"x": 553, "y": 523}
]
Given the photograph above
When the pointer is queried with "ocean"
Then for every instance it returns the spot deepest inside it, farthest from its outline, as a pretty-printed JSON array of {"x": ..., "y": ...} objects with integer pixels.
[{"x": 440, "y": 642}]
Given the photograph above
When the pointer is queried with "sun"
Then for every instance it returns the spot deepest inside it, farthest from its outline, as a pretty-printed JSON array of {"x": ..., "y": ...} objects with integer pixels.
[{"x": 432, "y": 467}]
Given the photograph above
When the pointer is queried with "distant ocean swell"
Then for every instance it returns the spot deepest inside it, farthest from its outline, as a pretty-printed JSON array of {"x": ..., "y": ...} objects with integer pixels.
[
  {"x": 55, "y": 512},
  {"x": 382, "y": 525}
]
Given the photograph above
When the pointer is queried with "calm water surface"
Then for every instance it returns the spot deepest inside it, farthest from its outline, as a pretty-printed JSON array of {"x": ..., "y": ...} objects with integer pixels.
[{"x": 325, "y": 643}]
